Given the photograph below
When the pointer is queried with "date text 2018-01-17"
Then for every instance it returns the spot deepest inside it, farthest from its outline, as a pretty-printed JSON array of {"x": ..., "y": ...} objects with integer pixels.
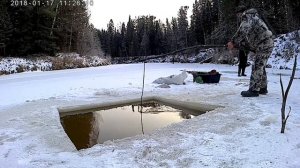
[{"x": 17, "y": 3}]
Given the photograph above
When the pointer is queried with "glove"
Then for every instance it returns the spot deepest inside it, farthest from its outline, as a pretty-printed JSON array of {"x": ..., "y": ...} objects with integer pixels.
[{"x": 230, "y": 45}]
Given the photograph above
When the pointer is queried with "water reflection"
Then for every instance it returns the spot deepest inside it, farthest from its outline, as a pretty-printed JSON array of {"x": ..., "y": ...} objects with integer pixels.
[
  {"x": 82, "y": 129},
  {"x": 86, "y": 130}
]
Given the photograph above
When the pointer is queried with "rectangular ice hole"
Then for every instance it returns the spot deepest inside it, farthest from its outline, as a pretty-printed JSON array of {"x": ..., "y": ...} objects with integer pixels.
[{"x": 93, "y": 126}]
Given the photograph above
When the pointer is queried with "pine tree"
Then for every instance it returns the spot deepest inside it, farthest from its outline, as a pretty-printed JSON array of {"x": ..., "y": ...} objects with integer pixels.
[
  {"x": 129, "y": 36},
  {"x": 168, "y": 36},
  {"x": 124, "y": 52},
  {"x": 6, "y": 27},
  {"x": 111, "y": 33},
  {"x": 182, "y": 27},
  {"x": 140, "y": 30},
  {"x": 103, "y": 36},
  {"x": 152, "y": 34},
  {"x": 174, "y": 24},
  {"x": 159, "y": 48},
  {"x": 145, "y": 44},
  {"x": 196, "y": 28},
  {"x": 21, "y": 41}
]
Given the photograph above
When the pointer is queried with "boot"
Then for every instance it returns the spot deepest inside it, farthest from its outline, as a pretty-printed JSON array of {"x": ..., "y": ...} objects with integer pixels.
[
  {"x": 263, "y": 91},
  {"x": 250, "y": 93},
  {"x": 243, "y": 71}
]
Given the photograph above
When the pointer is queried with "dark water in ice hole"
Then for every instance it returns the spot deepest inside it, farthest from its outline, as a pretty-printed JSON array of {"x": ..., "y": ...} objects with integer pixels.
[{"x": 88, "y": 129}]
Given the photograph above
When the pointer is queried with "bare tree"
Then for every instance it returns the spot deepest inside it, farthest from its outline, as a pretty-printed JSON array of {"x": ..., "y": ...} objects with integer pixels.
[
  {"x": 88, "y": 42},
  {"x": 293, "y": 49},
  {"x": 284, "y": 97}
]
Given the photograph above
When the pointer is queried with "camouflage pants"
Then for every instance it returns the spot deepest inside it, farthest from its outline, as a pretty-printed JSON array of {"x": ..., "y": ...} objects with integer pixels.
[{"x": 258, "y": 77}]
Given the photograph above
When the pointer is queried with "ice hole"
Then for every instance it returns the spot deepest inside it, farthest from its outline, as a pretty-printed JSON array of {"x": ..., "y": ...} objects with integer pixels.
[{"x": 87, "y": 127}]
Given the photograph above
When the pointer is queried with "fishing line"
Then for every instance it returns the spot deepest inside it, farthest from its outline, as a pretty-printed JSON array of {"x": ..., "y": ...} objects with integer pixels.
[{"x": 141, "y": 110}]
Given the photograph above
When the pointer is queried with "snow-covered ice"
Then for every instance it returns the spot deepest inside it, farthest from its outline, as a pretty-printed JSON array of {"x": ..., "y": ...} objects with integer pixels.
[{"x": 245, "y": 133}]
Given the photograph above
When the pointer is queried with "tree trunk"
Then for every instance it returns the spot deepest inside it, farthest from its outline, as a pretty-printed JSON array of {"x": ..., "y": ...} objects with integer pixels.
[{"x": 54, "y": 20}]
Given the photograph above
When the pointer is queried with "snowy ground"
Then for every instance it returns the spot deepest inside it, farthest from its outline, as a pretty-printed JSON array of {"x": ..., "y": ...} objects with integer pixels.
[{"x": 246, "y": 133}]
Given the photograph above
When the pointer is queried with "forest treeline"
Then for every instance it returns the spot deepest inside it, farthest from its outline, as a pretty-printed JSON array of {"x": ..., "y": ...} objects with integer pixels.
[
  {"x": 51, "y": 28},
  {"x": 211, "y": 22},
  {"x": 46, "y": 27}
]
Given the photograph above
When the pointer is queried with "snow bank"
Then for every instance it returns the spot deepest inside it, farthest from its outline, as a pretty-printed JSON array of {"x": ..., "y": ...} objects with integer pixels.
[
  {"x": 286, "y": 47},
  {"x": 15, "y": 65},
  {"x": 61, "y": 61}
]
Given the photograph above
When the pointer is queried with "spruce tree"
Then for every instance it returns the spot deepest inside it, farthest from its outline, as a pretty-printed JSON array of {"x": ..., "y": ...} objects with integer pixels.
[
  {"x": 6, "y": 27},
  {"x": 182, "y": 27}
]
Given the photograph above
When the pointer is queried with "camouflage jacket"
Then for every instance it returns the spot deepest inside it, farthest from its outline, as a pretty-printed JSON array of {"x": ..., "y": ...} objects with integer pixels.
[{"x": 254, "y": 32}]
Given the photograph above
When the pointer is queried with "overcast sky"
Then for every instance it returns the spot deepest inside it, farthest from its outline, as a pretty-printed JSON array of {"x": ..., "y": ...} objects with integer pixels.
[{"x": 119, "y": 10}]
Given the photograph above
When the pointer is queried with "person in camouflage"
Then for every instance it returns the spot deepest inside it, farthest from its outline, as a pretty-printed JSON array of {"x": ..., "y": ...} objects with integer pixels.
[{"x": 259, "y": 40}]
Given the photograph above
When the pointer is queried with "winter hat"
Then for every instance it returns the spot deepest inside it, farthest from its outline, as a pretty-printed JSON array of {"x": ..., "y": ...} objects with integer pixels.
[{"x": 240, "y": 9}]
